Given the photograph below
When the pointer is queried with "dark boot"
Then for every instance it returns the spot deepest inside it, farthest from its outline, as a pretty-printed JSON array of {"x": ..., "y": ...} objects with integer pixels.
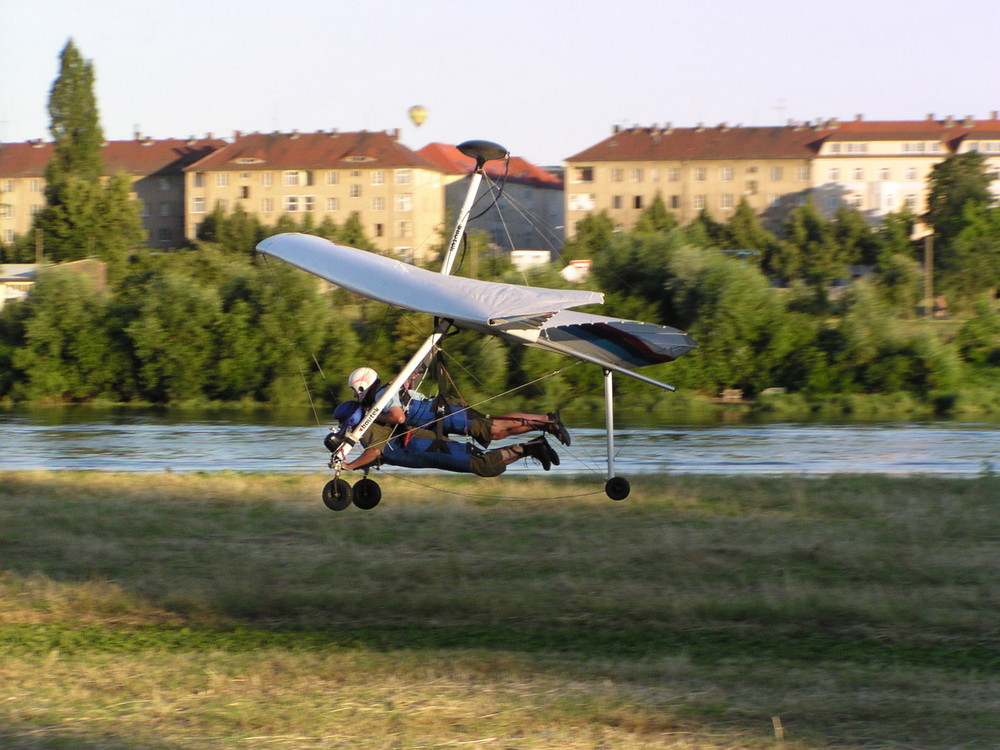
[
  {"x": 557, "y": 428},
  {"x": 539, "y": 450}
]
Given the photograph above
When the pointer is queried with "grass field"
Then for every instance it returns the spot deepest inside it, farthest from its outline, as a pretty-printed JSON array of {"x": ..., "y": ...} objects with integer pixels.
[{"x": 235, "y": 611}]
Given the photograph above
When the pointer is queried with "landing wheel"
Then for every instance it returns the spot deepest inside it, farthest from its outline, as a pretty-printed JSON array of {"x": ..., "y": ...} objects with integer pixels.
[
  {"x": 617, "y": 488},
  {"x": 337, "y": 494},
  {"x": 366, "y": 493}
]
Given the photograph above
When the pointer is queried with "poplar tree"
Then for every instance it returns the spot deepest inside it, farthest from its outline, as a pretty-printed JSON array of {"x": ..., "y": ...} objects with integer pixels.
[{"x": 82, "y": 217}]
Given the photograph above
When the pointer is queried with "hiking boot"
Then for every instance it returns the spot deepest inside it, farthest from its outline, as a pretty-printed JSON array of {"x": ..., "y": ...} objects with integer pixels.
[
  {"x": 539, "y": 450},
  {"x": 557, "y": 428}
]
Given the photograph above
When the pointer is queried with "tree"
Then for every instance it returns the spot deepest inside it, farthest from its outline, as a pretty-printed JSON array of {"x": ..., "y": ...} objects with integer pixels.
[
  {"x": 82, "y": 217},
  {"x": 954, "y": 182},
  {"x": 971, "y": 263},
  {"x": 655, "y": 217},
  {"x": 593, "y": 236},
  {"x": 822, "y": 259}
]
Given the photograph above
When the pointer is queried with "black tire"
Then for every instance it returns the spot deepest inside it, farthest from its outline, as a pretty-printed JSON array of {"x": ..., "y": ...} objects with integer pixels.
[
  {"x": 337, "y": 494},
  {"x": 617, "y": 488},
  {"x": 366, "y": 493}
]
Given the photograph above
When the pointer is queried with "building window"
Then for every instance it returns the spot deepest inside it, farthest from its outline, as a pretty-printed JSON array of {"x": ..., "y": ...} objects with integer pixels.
[
  {"x": 726, "y": 174},
  {"x": 291, "y": 203},
  {"x": 378, "y": 203},
  {"x": 859, "y": 173},
  {"x": 883, "y": 174},
  {"x": 856, "y": 148},
  {"x": 378, "y": 230},
  {"x": 7, "y": 211},
  {"x": 834, "y": 174},
  {"x": 582, "y": 201},
  {"x": 164, "y": 209},
  {"x": 674, "y": 174},
  {"x": 333, "y": 204},
  {"x": 751, "y": 188},
  {"x": 583, "y": 174},
  {"x": 266, "y": 205},
  {"x": 290, "y": 178},
  {"x": 404, "y": 176},
  {"x": 700, "y": 174},
  {"x": 803, "y": 174},
  {"x": 404, "y": 202},
  {"x": 637, "y": 201},
  {"x": 635, "y": 175},
  {"x": 244, "y": 191},
  {"x": 699, "y": 202},
  {"x": 355, "y": 191},
  {"x": 378, "y": 177},
  {"x": 7, "y": 186},
  {"x": 333, "y": 178},
  {"x": 911, "y": 202},
  {"x": 35, "y": 186},
  {"x": 8, "y": 235},
  {"x": 308, "y": 203},
  {"x": 616, "y": 174},
  {"x": 675, "y": 201},
  {"x": 855, "y": 201},
  {"x": 198, "y": 205},
  {"x": 654, "y": 175},
  {"x": 266, "y": 179},
  {"x": 222, "y": 205},
  {"x": 222, "y": 179},
  {"x": 835, "y": 148},
  {"x": 777, "y": 174},
  {"x": 164, "y": 234},
  {"x": 616, "y": 201},
  {"x": 199, "y": 179},
  {"x": 404, "y": 228},
  {"x": 911, "y": 173},
  {"x": 164, "y": 183},
  {"x": 726, "y": 201}
]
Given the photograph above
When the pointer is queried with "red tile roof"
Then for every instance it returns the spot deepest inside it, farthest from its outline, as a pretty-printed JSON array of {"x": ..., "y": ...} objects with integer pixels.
[
  {"x": 719, "y": 142},
  {"x": 319, "y": 150},
  {"x": 452, "y": 161},
  {"x": 783, "y": 142},
  {"x": 141, "y": 156}
]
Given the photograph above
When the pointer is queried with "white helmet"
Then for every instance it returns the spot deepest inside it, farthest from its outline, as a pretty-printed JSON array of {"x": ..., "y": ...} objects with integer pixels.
[{"x": 361, "y": 380}]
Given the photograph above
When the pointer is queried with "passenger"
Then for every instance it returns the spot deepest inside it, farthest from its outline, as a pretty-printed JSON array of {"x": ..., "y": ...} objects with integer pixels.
[
  {"x": 421, "y": 449},
  {"x": 419, "y": 411}
]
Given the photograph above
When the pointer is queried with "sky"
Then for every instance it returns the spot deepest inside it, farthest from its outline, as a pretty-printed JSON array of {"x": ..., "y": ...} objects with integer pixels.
[{"x": 545, "y": 78}]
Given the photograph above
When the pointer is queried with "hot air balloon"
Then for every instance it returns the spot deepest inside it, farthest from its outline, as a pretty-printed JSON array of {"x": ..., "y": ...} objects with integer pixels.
[{"x": 418, "y": 114}]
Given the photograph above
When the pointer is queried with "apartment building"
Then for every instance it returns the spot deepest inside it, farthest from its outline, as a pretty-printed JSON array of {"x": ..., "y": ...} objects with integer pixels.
[
  {"x": 398, "y": 194},
  {"x": 878, "y": 167},
  {"x": 155, "y": 167},
  {"x": 531, "y": 211}
]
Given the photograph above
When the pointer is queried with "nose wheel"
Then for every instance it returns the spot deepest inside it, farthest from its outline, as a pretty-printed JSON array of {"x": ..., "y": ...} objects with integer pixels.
[{"x": 338, "y": 494}]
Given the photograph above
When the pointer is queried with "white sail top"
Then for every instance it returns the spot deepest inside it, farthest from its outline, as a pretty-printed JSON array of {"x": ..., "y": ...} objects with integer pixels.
[{"x": 469, "y": 301}]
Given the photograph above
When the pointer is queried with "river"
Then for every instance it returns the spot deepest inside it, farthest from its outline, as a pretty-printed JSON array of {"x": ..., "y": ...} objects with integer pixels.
[{"x": 151, "y": 442}]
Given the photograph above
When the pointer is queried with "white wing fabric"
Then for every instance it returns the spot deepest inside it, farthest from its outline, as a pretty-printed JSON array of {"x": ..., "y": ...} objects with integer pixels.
[
  {"x": 468, "y": 302},
  {"x": 530, "y": 315}
]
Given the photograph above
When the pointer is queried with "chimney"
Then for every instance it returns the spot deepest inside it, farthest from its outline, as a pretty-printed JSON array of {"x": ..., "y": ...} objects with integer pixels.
[
  {"x": 208, "y": 136},
  {"x": 858, "y": 118},
  {"x": 237, "y": 135},
  {"x": 615, "y": 129},
  {"x": 723, "y": 126},
  {"x": 334, "y": 133},
  {"x": 967, "y": 122},
  {"x": 294, "y": 135},
  {"x": 949, "y": 121},
  {"x": 930, "y": 117},
  {"x": 138, "y": 135},
  {"x": 993, "y": 115}
]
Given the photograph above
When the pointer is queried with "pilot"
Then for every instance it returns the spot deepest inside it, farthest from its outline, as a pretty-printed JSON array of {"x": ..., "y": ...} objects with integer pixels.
[
  {"x": 459, "y": 420},
  {"x": 421, "y": 449}
]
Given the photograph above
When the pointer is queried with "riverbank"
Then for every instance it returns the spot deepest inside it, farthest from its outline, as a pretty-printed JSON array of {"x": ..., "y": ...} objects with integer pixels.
[{"x": 214, "y": 610}]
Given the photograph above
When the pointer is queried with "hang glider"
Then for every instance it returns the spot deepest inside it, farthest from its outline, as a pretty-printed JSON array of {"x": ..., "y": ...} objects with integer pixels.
[
  {"x": 538, "y": 317},
  {"x": 534, "y": 316}
]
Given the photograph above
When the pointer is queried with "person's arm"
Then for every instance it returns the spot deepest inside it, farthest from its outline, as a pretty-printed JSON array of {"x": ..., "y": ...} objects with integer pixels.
[
  {"x": 393, "y": 415},
  {"x": 370, "y": 456}
]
